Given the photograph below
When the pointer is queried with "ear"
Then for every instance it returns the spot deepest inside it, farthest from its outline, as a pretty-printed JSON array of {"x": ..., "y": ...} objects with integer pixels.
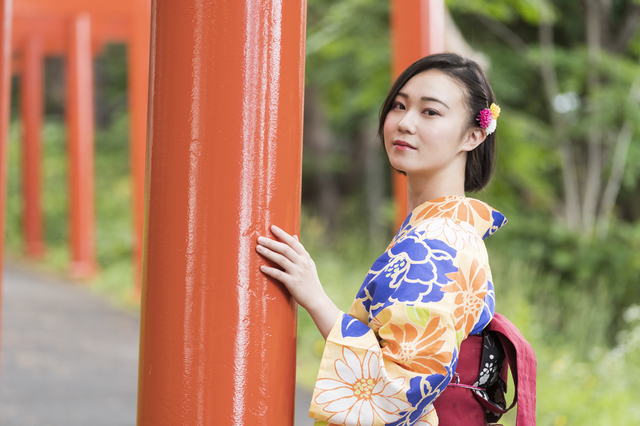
[{"x": 474, "y": 137}]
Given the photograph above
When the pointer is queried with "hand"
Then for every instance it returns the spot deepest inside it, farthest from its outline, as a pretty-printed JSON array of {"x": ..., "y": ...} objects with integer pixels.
[{"x": 298, "y": 273}]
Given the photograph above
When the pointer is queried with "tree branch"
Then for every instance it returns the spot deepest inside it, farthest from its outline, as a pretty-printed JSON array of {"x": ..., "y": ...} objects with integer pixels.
[
  {"x": 612, "y": 189},
  {"x": 623, "y": 141},
  {"x": 594, "y": 152},
  {"x": 572, "y": 212}
]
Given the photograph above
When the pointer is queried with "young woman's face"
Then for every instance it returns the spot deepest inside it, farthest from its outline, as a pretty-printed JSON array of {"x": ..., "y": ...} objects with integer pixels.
[{"x": 426, "y": 132}]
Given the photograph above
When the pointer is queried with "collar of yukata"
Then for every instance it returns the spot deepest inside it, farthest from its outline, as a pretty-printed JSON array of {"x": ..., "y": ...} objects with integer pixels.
[{"x": 485, "y": 219}]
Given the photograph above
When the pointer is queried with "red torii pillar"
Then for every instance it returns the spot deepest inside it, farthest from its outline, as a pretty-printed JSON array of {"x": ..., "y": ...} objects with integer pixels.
[
  {"x": 217, "y": 342},
  {"x": 31, "y": 107},
  {"x": 6, "y": 7},
  {"x": 417, "y": 30},
  {"x": 80, "y": 129}
]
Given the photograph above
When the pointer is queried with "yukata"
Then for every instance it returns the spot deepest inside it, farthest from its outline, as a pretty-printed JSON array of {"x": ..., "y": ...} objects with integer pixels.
[{"x": 388, "y": 359}]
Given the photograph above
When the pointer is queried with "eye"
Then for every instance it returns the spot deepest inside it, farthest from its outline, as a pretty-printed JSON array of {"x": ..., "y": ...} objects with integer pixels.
[
  {"x": 430, "y": 112},
  {"x": 397, "y": 105}
]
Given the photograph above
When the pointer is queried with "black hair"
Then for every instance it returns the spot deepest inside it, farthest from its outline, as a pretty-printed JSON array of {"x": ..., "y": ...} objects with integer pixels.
[{"x": 479, "y": 95}]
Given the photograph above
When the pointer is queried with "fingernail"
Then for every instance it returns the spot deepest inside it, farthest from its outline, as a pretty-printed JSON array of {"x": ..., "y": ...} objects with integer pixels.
[{"x": 275, "y": 228}]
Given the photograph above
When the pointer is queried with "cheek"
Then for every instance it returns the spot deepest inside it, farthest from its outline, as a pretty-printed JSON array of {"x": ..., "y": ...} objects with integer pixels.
[
  {"x": 441, "y": 129},
  {"x": 389, "y": 126}
]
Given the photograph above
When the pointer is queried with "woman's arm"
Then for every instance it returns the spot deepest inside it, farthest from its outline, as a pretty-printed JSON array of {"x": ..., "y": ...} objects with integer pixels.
[{"x": 298, "y": 273}]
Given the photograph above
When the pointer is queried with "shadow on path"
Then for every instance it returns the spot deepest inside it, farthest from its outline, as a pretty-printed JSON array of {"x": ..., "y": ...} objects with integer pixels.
[{"x": 70, "y": 359}]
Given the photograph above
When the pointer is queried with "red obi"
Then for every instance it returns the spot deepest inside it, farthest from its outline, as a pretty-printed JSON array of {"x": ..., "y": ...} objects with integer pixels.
[{"x": 474, "y": 397}]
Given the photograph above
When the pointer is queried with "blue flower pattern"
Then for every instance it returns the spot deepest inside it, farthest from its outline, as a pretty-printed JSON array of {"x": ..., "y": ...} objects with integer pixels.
[{"x": 420, "y": 265}]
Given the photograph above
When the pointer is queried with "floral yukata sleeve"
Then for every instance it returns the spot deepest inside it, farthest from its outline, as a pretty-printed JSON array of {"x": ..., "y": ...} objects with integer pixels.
[{"x": 386, "y": 361}]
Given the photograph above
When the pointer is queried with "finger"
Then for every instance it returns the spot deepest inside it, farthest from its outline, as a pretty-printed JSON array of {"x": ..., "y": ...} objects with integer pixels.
[
  {"x": 275, "y": 257},
  {"x": 275, "y": 273},
  {"x": 279, "y": 247},
  {"x": 292, "y": 242}
]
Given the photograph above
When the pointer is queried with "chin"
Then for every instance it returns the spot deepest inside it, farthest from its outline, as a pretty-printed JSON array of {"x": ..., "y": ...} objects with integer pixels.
[{"x": 398, "y": 166}]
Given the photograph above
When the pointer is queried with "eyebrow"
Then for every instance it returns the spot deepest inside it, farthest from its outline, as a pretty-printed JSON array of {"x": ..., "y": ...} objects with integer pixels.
[{"x": 425, "y": 99}]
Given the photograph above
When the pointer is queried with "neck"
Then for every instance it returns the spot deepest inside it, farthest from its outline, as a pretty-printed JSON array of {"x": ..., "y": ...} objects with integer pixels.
[
  {"x": 421, "y": 189},
  {"x": 419, "y": 193},
  {"x": 423, "y": 185}
]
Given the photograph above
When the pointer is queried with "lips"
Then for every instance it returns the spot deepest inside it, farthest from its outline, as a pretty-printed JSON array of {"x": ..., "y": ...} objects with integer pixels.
[{"x": 403, "y": 146}]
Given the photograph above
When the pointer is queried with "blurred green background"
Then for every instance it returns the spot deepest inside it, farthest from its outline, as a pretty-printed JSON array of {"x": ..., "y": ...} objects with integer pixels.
[{"x": 566, "y": 268}]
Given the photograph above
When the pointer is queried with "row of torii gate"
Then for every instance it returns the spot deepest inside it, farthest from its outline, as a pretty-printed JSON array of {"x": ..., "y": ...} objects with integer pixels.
[
  {"x": 224, "y": 84},
  {"x": 78, "y": 30}
]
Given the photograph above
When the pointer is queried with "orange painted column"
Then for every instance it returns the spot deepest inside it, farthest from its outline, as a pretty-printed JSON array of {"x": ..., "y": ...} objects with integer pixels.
[
  {"x": 6, "y": 9},
  {"x": 417, "y": 30},
  {"x": 31, "y": 91},
  {"x": 217, "y": 342},
  {"x": 80, "y": 130},
  {"x": 138, "y": 63}
]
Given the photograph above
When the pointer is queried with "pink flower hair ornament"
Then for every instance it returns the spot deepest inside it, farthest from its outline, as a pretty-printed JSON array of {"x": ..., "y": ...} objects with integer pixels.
[{"x": 488, "y": 118}]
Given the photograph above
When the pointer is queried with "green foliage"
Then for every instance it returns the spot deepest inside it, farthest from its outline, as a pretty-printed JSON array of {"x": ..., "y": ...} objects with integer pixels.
[
  {"x": 111, "y": 83},
  {"x": 54, "y": 194},
  {"x": 602, "y": 106},
  {"x": 348, "y": 57},
  {"x": 114, "y": 233},
  {"x": 524, "y": 155},
  {"x": 588, "y": 283},
  {"x": 531, "y": 11},
  {"x": 595, "y": 391}
]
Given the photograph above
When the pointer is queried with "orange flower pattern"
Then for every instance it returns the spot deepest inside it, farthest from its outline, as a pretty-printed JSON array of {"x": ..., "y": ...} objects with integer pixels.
[
  {"x": 386, "y": 361},
  {"x": 416, "y": 348},
  {"x": 469, "y": 288}
]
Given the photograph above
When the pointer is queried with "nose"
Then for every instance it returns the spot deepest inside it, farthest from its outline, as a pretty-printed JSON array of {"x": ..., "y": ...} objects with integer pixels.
[{"x": 407, "y": 123}]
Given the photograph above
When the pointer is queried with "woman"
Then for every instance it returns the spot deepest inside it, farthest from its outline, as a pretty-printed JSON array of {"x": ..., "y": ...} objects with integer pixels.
[{"x": 396, "y": 351}]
